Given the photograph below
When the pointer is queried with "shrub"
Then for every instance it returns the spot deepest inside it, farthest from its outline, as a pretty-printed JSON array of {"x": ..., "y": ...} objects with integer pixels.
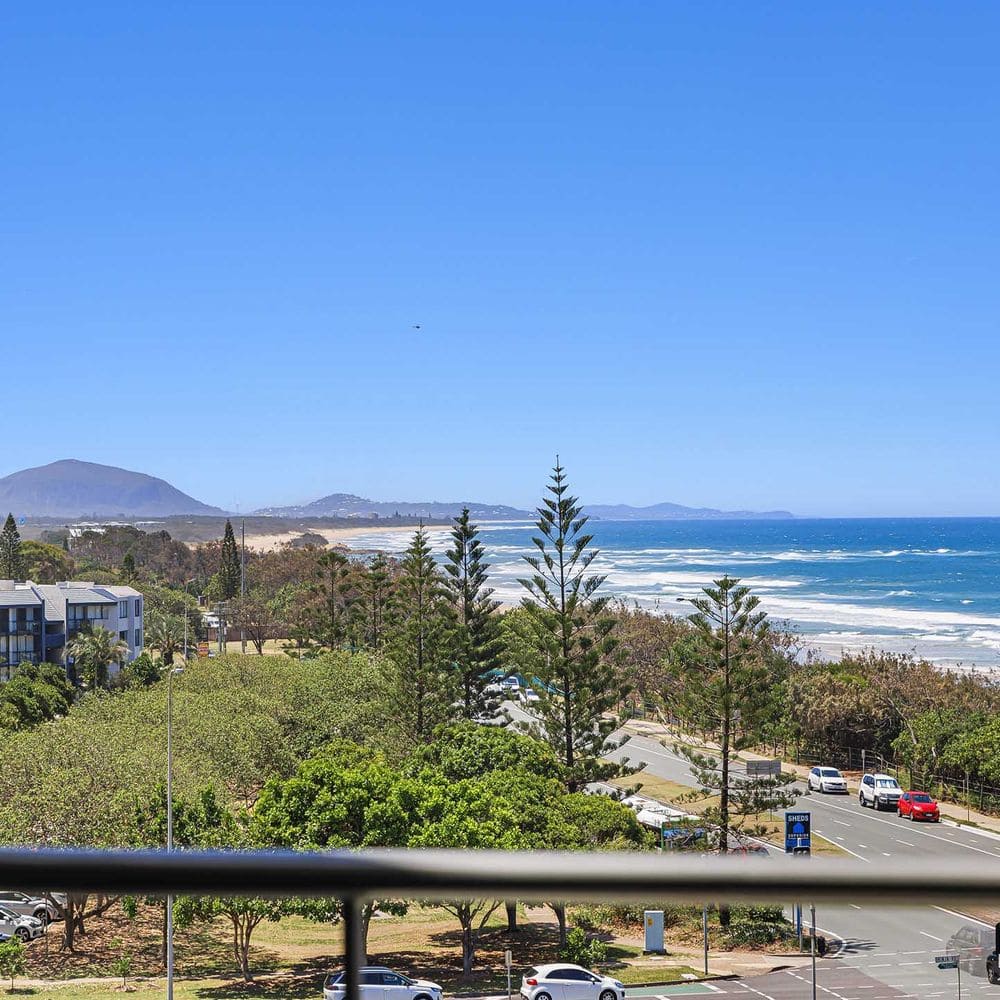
[
  {"x": 13, "y": 961},
  {"x": 581, "y": 950},
  {"x": 758, "y": 925}
]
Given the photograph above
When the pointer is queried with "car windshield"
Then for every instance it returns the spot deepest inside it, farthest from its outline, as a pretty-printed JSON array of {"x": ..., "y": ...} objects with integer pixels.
[
  {"x": 887, "y": 783},
  {"x": 334, "y": 978},
  {"x": 829, "y": 772},
  {"x": 921, "y": 797}
]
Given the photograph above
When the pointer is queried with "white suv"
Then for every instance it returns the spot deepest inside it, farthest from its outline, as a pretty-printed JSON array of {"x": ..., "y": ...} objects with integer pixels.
[
  {"x": 827, "y": 779},
  {"x": 380, "y": 983},
  {"x": 880, "y": 791},
  {"x": 569, "y": 982}
]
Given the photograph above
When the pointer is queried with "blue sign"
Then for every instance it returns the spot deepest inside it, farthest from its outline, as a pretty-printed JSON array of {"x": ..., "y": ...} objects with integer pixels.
[{"x": 797, "y": 833}]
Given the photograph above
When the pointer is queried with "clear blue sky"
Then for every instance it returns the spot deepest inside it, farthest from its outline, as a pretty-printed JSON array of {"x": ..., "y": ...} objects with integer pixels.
[{"x": 736, "y": 254}]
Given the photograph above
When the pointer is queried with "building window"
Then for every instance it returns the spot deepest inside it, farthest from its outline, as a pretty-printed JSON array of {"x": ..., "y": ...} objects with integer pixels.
[
  {"x": 138, "y": 639},
  {"x": 123, "y": 609},
  {"x": 123, "y": 635},
  {"x": 137, "y": 606}
]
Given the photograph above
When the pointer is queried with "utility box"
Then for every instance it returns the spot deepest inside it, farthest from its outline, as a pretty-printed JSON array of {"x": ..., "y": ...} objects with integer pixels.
[{"x": 653, "y": 921}]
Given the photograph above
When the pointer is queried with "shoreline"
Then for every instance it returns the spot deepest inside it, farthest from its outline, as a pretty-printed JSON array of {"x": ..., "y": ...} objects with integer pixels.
[{"x": 337, "y": 537}]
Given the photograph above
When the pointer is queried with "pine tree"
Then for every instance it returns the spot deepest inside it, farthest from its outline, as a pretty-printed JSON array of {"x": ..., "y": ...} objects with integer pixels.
[
  {"x": 419, "y": 643},
  {"x": 128, "y": 567},
  {"x": 475, "y": 639},
  {"x": 11, "y": 559},
  {"x": 333, "y": 615},
  {"x": 229, "y": 565},
  {"x": 725, "y": 681},
  {"x": 570, "y": 625},
  {"x": 377, "y": 598}
]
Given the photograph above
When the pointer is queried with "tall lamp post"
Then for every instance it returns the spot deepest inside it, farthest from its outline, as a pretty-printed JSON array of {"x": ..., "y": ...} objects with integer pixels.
[{"x": 170, "y": 825}]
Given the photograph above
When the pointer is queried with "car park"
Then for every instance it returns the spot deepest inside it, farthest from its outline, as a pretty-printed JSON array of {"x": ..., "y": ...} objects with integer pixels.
[
  {"x": 381, "y": 983},
  {"x": 563, "y": 981},
  {"x": 30, "y": 906},
  {"x": 16, "y": 925},
  {"x": 827, "y": 779},
  {"x": 880, "y": 791},
  {"x": 916, "y": 805}
]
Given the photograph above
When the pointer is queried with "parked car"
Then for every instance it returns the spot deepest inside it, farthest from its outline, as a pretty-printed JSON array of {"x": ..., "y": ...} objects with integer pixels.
[
  {"x": 827, "y": 779},
  {"x": 16, "y": 925},
  {"x": 975, "y": 947},
  {"x": 380, "y": 983},
  {"x": 918, "y": 805},
  {"x": 511, "y": 686},
  {"x": 880, "y": 791},
  {"x": 30, "y": 906},
  {"x": 529, "y": 696},
  {"x": 563, "y": 981}
]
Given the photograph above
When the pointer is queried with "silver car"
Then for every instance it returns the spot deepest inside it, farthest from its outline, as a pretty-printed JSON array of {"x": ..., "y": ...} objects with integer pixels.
[
  {"x": 30, "y": 906},
  {"x": 380, "y": 983},
  {"x": 15, "y": 925},
  {"x": 563, "y": 981}
]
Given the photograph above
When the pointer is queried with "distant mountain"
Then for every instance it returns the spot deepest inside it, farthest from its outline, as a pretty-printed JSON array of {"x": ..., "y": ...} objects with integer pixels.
[
  {"x": 349, "y": 505},
  {"x": 677, "y": 512},
  {"x": 69, "y": 488}
]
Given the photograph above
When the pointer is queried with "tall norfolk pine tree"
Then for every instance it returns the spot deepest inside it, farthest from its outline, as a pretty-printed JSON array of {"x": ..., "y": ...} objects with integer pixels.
[
  {"x": 571, "y": 629},
  {"x": 11, "y": 559},
  {"x": 728, "y": 673},
  {"x": 419, "y": 642},
  {"x": 475, "y": 639},
  {"x": 229, "y": 565}
]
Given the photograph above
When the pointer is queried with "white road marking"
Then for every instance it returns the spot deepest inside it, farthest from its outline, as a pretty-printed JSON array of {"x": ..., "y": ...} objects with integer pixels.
[
  {"x": 865, "y": 846},
  {"x": 922, "y": 833},
  {"x": 886, "y": 965},
  {"x": 854, "y": 906},
  {"x": 932, "y": 937},
  {"x": 910, "y": 963},
  {"x": 962, "y": 916},
  {"x": 841, "y": 822},
  {"x": 886, "y": 854},
  {"x": 913, "y": 953},
  {"x": 908, "y": 844}
]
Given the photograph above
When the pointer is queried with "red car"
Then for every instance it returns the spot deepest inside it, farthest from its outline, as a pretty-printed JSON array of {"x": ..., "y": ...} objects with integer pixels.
[{"x": 918, "y": 805}]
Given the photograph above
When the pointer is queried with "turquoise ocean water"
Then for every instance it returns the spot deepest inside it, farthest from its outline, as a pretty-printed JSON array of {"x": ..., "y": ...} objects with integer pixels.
[{"x": 927, "y": 585}]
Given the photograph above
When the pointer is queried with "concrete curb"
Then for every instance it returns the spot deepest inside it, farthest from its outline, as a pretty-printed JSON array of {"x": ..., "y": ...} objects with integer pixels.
[{"x": 970, "y": 829}]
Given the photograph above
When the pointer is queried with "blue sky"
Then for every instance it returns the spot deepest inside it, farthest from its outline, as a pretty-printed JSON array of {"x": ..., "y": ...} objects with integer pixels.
[{"x": 735, "y": 254}]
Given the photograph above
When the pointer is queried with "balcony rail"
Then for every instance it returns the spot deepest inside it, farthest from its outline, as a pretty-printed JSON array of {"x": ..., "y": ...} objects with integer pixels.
[
  {"x": 20, "y": 628},
  {"x": 357, "y": 877}
]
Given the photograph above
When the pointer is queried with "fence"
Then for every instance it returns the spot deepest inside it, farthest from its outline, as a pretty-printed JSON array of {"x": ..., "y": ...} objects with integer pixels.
[{"x": 357, "y": 877}]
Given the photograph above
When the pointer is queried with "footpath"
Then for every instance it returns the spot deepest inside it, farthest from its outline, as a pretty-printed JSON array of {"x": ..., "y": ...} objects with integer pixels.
[{"x": 951, "y": 812}]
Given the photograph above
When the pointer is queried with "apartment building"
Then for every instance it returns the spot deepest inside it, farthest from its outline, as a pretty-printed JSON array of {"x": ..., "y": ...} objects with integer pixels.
[{"x": 37, "y": 620}]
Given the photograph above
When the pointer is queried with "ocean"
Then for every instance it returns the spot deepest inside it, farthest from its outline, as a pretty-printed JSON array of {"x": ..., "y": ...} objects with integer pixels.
[{"x": 923, "y": 585}]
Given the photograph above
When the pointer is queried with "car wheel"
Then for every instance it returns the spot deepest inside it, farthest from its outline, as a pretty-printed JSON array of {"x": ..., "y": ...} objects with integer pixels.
[
  {"x": 861, "y": 800},
  {"x": 42, "y": 915},
  {"x": 993, "y": 974},
  {"x": 543, "y": 996},
  {"x": 421, "y": 996},
  {"x": 912, "y": 817},
  {"x": 608, "y": 995},
  {"x": 23, "y": 934}
]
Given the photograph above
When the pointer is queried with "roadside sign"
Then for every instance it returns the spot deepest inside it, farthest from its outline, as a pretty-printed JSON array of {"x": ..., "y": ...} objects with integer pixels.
[
  {"x": 946, "y": 961},
  {"x": 507, "y": 959},
  {"x": 203, "y": 649},
  {"x": 797, "y": 833},
  {"x": 763, "y": 768}
]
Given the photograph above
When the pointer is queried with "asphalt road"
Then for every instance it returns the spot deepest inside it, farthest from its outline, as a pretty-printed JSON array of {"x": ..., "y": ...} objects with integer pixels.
[{"x": 894, "y": 946}]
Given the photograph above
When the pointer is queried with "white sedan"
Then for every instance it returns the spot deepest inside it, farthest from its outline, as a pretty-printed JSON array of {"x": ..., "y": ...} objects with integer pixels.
[
  {"x": 563, "y": 981},
  {"x": 827, "y": 779}
]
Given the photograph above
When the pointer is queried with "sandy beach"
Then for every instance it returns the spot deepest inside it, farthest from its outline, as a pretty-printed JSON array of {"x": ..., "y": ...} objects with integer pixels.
[{"x": 350, "y": 537}]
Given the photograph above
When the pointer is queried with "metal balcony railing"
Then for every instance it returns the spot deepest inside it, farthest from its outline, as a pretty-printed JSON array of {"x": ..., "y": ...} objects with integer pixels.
[{"x": 356, "y": 877}]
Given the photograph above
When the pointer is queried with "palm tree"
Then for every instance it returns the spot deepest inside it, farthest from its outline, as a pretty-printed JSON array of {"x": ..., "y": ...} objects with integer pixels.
[
  {"x": 165, "y": 633},
  {"x": 93, "y": 651}
]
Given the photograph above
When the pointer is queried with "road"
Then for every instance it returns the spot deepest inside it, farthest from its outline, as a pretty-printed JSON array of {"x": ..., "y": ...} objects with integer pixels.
[{"x": 895, "y": 947}]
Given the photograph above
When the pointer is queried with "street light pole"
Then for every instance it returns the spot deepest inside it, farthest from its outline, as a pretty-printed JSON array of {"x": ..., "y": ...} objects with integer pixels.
[
  {"x": 170, "y": 822},
  {"x": 812, "y": 919}
]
